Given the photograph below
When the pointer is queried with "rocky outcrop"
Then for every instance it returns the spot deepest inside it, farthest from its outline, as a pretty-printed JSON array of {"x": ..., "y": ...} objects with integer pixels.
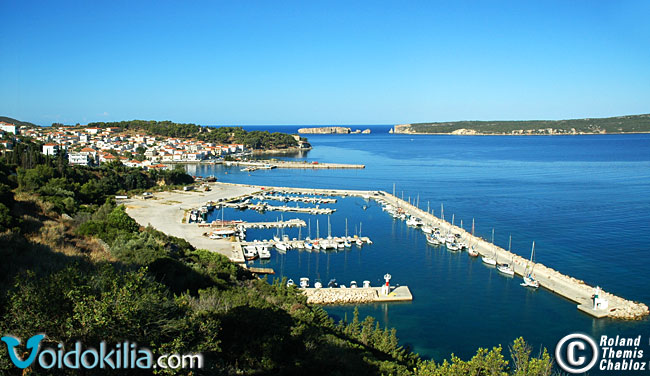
[
  {"x": 402, "y": 128},
  {"x": 366, "y": 131},
  {"x": 325, "y": 130}
]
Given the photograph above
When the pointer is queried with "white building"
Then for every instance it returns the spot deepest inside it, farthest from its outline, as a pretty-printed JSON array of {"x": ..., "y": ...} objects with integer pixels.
[
  {"x": 50, "y": 149},
  {"x": 79, "y": 159},
  {"x": 8, "y": 127}
]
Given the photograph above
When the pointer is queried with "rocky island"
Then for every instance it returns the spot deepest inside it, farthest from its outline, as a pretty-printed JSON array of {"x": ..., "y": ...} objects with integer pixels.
[{"x": 331, "y": 130}]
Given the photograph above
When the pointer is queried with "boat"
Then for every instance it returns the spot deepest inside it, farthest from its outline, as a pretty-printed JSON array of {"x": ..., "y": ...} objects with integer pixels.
[
  {"x": 453, "y": 247},
  {"x": 432, "y": 240},
  {"x": 290, "y": 283},
  {"x": 308, "y": 246},
  {"x": 353, "y": 284},
  {"x": 304, "y": 282},
  {"x": 506, "y": 269},
  {"x": 366, "y": 284},
  {"x": 263, "y": 252},
  {"x": 472, "y": 252},
  {"x": 250, "y": 253},
  {"x": 318, "y": 285},
  {"x": 427, "y": 229},
  {"x": 529, "y": 279},
  {"x": 280, "y": 246},
  {"x": 332, "y": 283},
  {"x": 489, "y": 260}
]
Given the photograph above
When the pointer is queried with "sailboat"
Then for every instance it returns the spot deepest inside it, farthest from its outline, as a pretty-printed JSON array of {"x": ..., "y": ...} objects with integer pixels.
[
  {"x": 505, "y": 268},
  {"x": 529, "y": 279},
  {"x": 489, "y": 260}
]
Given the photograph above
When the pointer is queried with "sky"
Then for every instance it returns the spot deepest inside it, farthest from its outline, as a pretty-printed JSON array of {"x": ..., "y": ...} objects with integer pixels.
[{"x": 322, "y": 62}]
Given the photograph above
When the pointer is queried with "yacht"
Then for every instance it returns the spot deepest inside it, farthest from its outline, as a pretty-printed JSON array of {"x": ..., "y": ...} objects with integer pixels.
[
  {"x": 453, "y": 246},
  {"x": 280, "y": 246},
  {"x": 432, "y": 240},
  {"x": 489, "y": 260},
  {"x": 290, "y": 283},
  {"x": 529, "y": 279},
  {"x": 304, "y": 282},
  {"x": 427, "y": 229},
  {"x": 353, "y": 284},
  {"x": 318, "y": 285}
]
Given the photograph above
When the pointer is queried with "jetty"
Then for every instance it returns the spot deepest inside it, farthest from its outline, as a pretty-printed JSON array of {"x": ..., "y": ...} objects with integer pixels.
[
  {"x": 568, "y": 287},
  {"x": 271, "y": 164},
  {"x": 358, "y": 295},
  {"x": 305, "y": 199}
]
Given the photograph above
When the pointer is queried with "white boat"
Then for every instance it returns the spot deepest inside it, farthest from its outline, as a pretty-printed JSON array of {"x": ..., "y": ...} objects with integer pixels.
[
  {"x": 529, "y": 278},
  {"x": 366, "y": 284},
  {"x": 432, "y": 240},
  {"x": 462, "y": 245},
  {"x": 304, "y": 282},
  {"x": 427, "y": 229},
  {"x": 347, "y": 243},
  {"x": 250, "y": 252},
  {"x": 308, "y": 246},
  {"x": 505, "y": 269},
  {"x": 472, "y": 252},
  {"x": 453, "y": 246},
  {"x": 280, "y": 246},
  {"x": 290, "y": 283},
  {"x": 488, "y": 260},
  {"x": 353, "y": 284},
  {"x": 413, "y": 221},
  {"x": 318, "y": 285},
  {"x": 263, "y": 252},
  {"x": 359, "y": 242}
]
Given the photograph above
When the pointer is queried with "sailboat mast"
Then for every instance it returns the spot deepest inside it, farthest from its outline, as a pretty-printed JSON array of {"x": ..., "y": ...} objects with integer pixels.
[
  {"x": 472, "y": 226},
  {"x": 509, "y": 242},
  {"x": 346, "y": 228},
  {"x": 317, "y": 230}
]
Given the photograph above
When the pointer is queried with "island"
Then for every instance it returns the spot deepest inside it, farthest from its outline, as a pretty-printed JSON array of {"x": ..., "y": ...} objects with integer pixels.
[
  {"x": 331, "y": 130},
  {"x": 611, "y": 125}
]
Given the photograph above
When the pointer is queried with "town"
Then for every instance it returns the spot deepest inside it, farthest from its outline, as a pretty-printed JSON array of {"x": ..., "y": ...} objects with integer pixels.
[{"x": 91, "y": 146}]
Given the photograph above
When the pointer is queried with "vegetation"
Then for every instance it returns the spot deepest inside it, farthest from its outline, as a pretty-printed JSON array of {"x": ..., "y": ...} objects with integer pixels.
[
  {"x": 18, "y": 123},
  {"x": 100, "y": 276},
  {"x": 620, "y": 124},
  {"x": 219, "y": 135}
]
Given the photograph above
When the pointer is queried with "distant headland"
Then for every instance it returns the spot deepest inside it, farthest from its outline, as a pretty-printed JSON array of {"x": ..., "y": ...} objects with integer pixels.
[{"x": 611, "y": 125}]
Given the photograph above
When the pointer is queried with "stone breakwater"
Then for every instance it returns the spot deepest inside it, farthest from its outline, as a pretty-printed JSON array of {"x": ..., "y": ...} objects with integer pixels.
[
  {"x": 340, "y": 296},
  {"x": 571, "y": 288}
]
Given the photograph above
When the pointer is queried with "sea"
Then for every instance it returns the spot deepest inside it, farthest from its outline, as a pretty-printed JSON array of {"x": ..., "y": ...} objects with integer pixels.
[{"x": 584, "y": 200}]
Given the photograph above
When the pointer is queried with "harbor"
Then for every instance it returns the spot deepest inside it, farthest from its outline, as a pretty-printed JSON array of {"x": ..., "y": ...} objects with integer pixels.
[{"x": 565, "y": 286}]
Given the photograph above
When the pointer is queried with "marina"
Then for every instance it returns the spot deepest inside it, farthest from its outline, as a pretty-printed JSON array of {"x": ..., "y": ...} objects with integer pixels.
[{"x": 550, "y": 279}]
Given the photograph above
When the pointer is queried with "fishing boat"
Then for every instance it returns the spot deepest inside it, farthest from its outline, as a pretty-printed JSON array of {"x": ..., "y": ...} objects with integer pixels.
[
  {"x": 353, "y": 284},
  {"x": 318, "y": 285},
  {"x": 529, "y": 279},
  {"x": 290, "y": 283},
  {"x": 332, "y": 283},
  {"x": 304, "y": 282}
]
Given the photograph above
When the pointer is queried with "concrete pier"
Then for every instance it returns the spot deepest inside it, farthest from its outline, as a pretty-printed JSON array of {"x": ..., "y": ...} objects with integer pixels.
[
  {"x": 269, "y": 164},
  {"x": 568, "y": 287}
]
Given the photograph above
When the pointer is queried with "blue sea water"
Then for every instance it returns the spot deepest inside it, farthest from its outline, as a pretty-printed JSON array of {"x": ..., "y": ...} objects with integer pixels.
[{"x": 584, "y": 200}]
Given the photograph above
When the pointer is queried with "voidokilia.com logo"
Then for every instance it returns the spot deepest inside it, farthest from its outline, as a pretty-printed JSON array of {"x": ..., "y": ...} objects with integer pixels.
[{"x": 123, "y": 355}]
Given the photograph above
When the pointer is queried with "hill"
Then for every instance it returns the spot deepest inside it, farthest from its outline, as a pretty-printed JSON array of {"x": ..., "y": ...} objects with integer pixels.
[
  {"x": 619, "y": 124},
  {"x": 7, "y": 119}
]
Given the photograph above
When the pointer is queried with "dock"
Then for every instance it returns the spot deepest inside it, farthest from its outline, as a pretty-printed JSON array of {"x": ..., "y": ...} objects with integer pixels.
[
  {"x": 306, "y": 199},
  {"x": 261, "y": 270},
  {"x": 271, "y": 164},
  {"x": 568, "y": 287},
  {"x": 340, "y": 295}
]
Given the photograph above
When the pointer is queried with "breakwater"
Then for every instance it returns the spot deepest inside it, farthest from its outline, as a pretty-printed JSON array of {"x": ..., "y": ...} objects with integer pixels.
[{"x": 356, "y": 295}]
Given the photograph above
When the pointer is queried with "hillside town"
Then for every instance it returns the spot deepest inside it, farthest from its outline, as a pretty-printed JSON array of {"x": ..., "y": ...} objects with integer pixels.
[{"x": 91, "y": 146}]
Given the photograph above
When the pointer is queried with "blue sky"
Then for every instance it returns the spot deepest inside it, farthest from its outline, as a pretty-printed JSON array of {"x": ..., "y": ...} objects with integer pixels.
[{"x": 322, "y": 62}]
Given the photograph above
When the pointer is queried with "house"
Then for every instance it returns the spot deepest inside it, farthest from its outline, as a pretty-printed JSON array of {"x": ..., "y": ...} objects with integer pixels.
[
  {"x": 93, "y": 130},
  {"x": 7, "y": 145},
  {"x": 50, "y": 149},
  {"x": 8, "y": 127}
]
